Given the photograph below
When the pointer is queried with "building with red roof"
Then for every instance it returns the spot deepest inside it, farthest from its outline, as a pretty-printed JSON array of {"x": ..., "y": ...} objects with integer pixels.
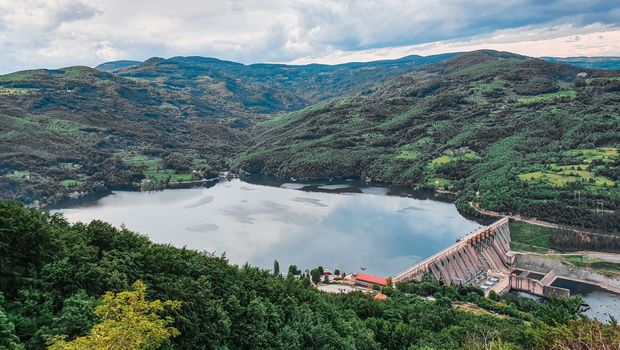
[{"x": 365, "y": 280}]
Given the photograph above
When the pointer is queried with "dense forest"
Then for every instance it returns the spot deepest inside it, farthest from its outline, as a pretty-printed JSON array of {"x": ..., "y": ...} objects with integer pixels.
[{"x": 66, "y": 286}]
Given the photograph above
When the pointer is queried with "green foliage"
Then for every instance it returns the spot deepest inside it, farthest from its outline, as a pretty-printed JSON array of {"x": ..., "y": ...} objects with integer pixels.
[
  {"x": 557, "y": 311},
  {"x": 225, "y": 306},
  {"x": 8, "y": 339},
  {"x": 128, "y": 321},
  {"x": 71, "y": 183},
  {"x": 547, "y": 97},
  {"x": 77, "y": 315},
  {"x": 501, "y": 131}
]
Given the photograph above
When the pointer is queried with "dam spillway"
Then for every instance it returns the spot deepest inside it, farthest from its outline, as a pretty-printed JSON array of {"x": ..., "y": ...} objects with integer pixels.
[
  {"x": 486, "y": 249},
  {"x": 483, "y": 258}
]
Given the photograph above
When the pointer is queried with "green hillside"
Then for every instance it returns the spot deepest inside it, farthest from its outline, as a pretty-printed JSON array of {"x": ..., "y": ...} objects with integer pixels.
[
  {"x": 149, "y": 125},
  {"x": 506, "y": 132},
  {"x": 78, "y": 129}
]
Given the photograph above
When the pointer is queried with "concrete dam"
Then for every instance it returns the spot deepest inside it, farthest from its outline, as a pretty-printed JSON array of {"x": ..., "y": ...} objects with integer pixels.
[{"x": 483, "y": 258}]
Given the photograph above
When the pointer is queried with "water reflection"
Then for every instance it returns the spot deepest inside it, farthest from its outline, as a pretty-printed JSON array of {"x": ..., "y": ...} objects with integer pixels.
[{"x": 258, "y": 224}]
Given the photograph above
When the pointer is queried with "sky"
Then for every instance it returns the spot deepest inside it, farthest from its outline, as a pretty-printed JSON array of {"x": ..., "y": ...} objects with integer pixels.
[{"x": 60, "y": 33}]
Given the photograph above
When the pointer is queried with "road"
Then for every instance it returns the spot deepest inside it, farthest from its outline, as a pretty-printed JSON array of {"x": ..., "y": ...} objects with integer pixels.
[{"x": 535, "y": 221}]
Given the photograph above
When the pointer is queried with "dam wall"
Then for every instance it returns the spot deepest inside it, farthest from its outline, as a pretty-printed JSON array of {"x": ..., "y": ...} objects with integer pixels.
[
  {"x": 468, "y": 259},
  {"x": 483, "y": 258}
]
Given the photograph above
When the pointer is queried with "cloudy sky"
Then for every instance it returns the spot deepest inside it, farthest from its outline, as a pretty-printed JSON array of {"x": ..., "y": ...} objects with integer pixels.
[{"x": 57, "y": 33}]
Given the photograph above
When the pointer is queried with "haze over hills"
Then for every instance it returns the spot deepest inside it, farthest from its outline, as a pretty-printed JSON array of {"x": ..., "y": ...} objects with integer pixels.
[
  {"x": 589, "y": 62},
  {"x": 114, "y": 65},
  {"x": 505, "y": 131}
]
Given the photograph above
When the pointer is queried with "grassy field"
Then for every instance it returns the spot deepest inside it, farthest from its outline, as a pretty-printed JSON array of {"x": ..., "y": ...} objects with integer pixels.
[
  {"x": 546, "y": 97},
  {"x": 606, "y": 154},
  {"x": 590, "y": 80},
  {"x": 561, "y": 175},
  {"x": 16, "y": 175},
  {"x": 408, "y": 155},
  {"x": 496, "y": 83},
  {"x": 16, "y": 91},
  {"x": 153, "y": 170},
  {"x": 529, "y": 238},
  {"x": 454, "y": 156},
  {"x": 561, "y": 179}
]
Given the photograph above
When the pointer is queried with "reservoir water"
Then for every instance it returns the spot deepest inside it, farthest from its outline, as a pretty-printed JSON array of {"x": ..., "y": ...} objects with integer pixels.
[
  {"x": 601, "y": 303},
  {"x": 346, "y": 225}
]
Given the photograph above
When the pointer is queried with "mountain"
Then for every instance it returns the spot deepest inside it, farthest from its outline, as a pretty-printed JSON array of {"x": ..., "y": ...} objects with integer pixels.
[
  {"x": 506, "y": 132},
  {"x": 588, "y": 62},
  {"x": 75, "y": 130},
  {"x": 269, "y": 88},
  {"x": 114, "y": 65}
]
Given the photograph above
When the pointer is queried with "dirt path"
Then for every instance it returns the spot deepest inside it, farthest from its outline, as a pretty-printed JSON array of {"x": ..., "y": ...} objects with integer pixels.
[{"x": 609, "y": 257}]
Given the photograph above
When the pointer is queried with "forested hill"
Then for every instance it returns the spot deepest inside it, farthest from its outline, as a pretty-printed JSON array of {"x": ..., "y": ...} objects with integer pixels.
[
  {"x": 53, "y": 276},
  {"x": 588, "y": 62},
  {"x": 114, "y": 65},
  {"x": 81, "y": 129},
  {"x": 507, "y": 132},
  {"x": 153, "y": 124},
  {"x": 268, "y": 88}
]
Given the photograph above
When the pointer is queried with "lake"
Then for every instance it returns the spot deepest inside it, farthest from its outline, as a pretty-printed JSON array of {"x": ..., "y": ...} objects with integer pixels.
[{"x": 337, "y": 225}]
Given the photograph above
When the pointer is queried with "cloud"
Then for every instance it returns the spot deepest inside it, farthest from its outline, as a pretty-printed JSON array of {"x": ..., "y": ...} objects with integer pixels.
[
  {"x": 42, "y": 15},
  {"x": 594, "y": 40},
  {"x": 358, "y": 25},
  {"x": 36, "y": 33}
]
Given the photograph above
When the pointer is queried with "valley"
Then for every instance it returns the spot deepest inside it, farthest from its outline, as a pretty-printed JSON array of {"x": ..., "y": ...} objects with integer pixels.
[{"x": 504, "y": 132}]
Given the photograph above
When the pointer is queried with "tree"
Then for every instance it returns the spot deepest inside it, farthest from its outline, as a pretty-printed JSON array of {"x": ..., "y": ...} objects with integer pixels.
[
  {"x": 293, "y": 270},
  {"x": 583, "y": 334},
  {"x": 316, "y": 276},
  {"x": 560, "y": 310},
  {"x": 8, "y": 339},
  {"x": 276, "y": 268},
  {"x": 76, "y": 316},
  {"x": 128, "y": 321}
]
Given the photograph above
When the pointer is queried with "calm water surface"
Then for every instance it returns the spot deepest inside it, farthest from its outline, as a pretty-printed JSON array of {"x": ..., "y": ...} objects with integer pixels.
[
  {"x": 257, "y": 223},
  {"x": 602, "y": 303}
]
